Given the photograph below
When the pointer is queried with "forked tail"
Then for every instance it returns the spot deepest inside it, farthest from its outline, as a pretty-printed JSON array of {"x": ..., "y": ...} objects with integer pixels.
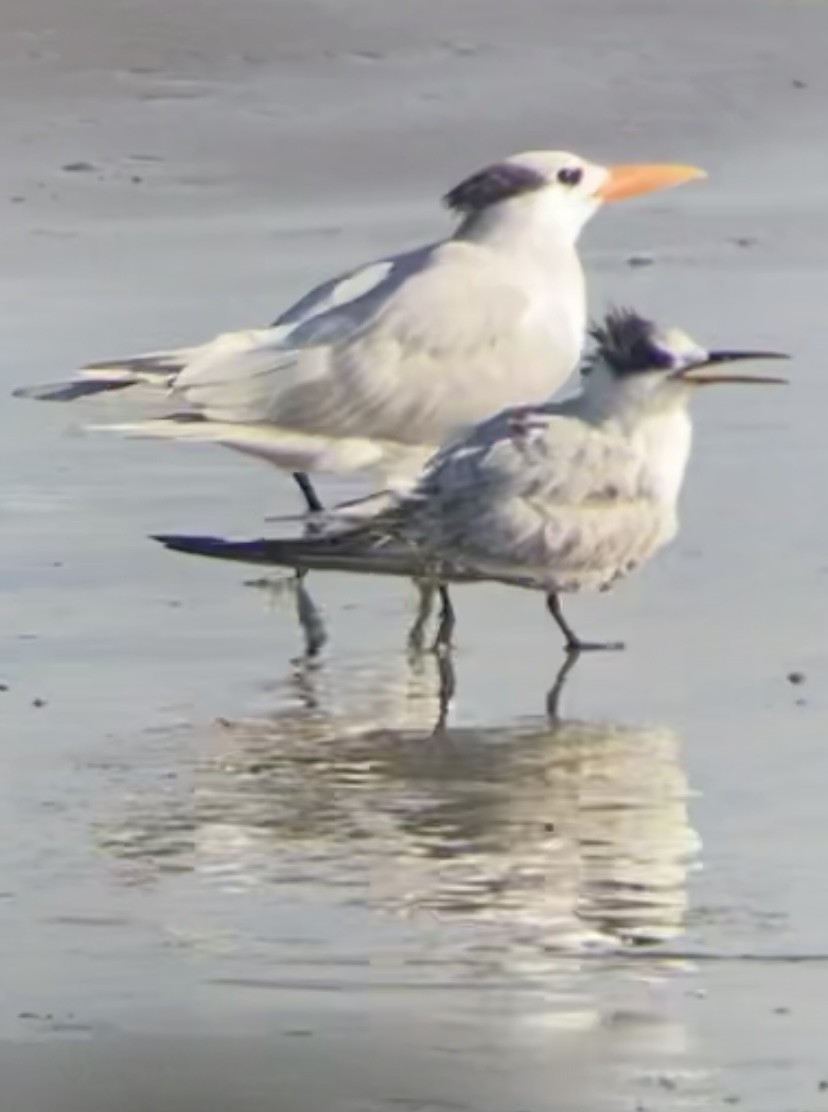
[
  {"x": 349, "y": 554},
  {"x": 156, "y": 370}
]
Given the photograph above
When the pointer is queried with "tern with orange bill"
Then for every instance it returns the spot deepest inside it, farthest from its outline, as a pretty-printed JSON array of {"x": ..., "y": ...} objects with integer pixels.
[{"x": 377, "y": 368}]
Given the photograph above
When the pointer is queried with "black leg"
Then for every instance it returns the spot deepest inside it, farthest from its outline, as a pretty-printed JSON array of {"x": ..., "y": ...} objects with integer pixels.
[
  {"x": 309, "y": 616},
  {"x": 553, "y": 698},
  {"x": 310, "y": 619},
  {"x": 425, "y": 605},
  {"x": 445, "y": 629},
  {"x": 311, "y": 497},
  {"x": 573, "y": 643},
  {"x": 448, "y": 685}
]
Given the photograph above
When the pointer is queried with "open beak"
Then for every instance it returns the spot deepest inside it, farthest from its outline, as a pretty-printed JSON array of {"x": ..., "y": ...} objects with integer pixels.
[
  {"x": 705, "y": 374},
  {"x": 629, "y": 181}
]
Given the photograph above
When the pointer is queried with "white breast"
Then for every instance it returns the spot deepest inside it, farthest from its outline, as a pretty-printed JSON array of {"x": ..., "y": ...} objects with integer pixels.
[{"x": 665, "y": 440}]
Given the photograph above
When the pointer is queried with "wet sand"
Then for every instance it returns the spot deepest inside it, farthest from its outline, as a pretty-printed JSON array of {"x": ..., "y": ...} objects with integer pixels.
[{"x": 229, "y": 879}]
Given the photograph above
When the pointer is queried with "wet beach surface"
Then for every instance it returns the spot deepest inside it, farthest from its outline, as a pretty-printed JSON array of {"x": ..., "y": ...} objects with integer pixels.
[{"x": 232, "y": 879}]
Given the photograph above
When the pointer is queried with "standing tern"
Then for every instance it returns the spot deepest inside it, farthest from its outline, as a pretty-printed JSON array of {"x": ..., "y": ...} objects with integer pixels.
[
  {"x": 555, "y": 497},
  {"x": 379, "y": 367}
]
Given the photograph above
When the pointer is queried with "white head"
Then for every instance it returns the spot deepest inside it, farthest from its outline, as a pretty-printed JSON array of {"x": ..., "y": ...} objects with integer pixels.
[
  {"x": 555, "y": 188},
  {"x": 638, "y": 369}
]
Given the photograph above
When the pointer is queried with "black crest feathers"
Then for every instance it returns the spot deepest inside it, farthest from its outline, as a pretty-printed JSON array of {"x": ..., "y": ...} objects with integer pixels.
[
  {"x": 494, "y": 184},
  {"x": 627, "y": 342}
]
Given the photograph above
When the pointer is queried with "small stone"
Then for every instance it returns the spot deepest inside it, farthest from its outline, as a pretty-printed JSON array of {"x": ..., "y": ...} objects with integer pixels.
[
  {"x": 744, "y": 241},
  {"x": 798, "y": 83},
  {"x": 796, "y": 677},
  {"x": 823, "y": 1086},
  {"x": 38, "y": 703},
  {"x": 4, "y": 687},
  {"x": 79, "y": 168},
  {"x": 781, "y": 1010},
  {"x": 640, "y": 260}
]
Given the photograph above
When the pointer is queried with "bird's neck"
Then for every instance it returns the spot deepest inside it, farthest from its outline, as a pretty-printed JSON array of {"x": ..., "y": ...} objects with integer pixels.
[
  {"x": 530, "y": 227},
  {"x": 538, "y": 255}
]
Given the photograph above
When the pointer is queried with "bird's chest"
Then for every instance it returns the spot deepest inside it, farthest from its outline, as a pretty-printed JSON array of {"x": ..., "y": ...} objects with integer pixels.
[{"x": 664, "y": 443}]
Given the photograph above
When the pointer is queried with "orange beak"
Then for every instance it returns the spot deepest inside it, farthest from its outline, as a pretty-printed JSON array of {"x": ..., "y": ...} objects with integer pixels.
[{"x": 628, "y": 181}]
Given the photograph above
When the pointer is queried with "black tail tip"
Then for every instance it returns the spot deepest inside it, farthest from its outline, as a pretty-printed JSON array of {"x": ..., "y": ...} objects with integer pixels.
[
  {"x": 198, "y": 546},
  {"x": 71, "y": 390},
  {"x": 257, "y": 551}
]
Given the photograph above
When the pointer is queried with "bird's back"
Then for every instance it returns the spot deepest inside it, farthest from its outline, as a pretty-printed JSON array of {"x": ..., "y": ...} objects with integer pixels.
[
  {"x": 542, "y": 500},
  {"x": 413, "y": 363}
]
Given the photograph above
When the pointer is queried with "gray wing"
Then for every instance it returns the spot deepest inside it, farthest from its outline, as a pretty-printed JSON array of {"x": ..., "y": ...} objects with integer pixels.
[
  {"x": 354, "y": 285},
  {"x": 409, "y": 362},
  {"x": 536, "y": 497},
  {"x": 332, "y": 311}
]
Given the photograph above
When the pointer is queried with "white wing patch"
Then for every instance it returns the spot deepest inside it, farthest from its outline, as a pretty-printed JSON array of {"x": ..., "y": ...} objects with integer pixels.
[{"x": 360, "y": 282}]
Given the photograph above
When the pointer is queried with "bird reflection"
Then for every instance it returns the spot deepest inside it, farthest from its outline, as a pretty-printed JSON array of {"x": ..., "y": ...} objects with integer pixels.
[{"x": 565, "y": 833}]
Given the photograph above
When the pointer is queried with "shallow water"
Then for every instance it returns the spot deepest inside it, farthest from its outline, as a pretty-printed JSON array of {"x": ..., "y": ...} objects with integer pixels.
[{"x": 229, "y": 877}]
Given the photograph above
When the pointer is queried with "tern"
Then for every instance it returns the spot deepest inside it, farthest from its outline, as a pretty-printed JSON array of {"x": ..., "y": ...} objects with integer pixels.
[
  {"x": 377, "y": 368},
  {"x": 559, "y": 497}
]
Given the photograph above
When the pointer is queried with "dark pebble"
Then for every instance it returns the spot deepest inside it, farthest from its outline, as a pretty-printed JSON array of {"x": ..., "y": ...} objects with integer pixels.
[
  {"x": 38, "y": 703},
  {"x": 79, "y": 168},
  {"x": 640, "y": 260},
  {"x": 796, "y": 677}
]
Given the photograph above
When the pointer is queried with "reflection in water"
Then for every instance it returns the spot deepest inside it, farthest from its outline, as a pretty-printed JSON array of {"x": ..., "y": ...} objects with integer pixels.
[{"x": 564, "y": 834}]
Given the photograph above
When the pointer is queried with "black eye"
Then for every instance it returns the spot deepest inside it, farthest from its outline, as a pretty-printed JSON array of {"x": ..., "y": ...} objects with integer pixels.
[
  {"x": 570, "y": 175},
  {"x": 661, "y": 359}
]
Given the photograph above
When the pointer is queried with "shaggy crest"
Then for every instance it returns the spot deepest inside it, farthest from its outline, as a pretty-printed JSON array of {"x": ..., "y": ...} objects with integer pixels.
[{"x": 628, "y": 342}]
